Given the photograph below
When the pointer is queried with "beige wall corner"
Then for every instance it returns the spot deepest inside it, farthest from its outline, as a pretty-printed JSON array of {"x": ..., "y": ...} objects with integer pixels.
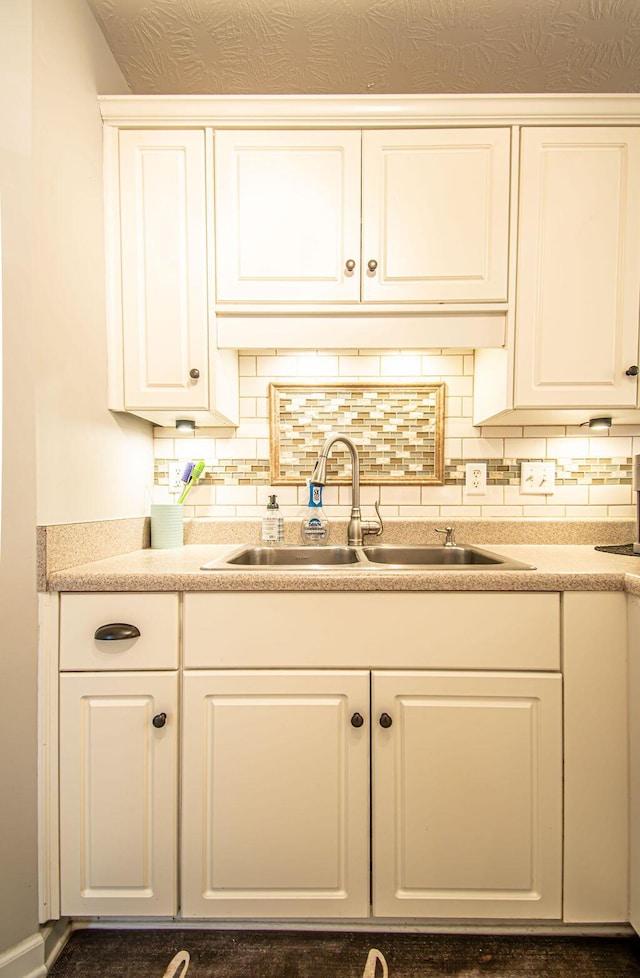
[
  {"x": 92, "y": 464},
  {"x": 18, "y": 613}
]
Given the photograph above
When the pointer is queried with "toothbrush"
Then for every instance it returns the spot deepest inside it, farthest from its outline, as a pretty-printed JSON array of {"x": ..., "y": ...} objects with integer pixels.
[
  {"x": 196, "y": 472},
  {"x": 186, "y": 474}
]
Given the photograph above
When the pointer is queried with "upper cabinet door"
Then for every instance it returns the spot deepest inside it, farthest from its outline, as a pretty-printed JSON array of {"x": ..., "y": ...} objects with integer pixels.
[
  {"x": 578, "y": 271},
  {"x": 164, "y": 269},
  {"x": 288, "y": 216},
  {"x": 435, "y": 215}
]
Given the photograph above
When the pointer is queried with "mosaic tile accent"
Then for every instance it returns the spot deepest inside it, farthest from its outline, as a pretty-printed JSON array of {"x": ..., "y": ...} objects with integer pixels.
[
  {"x": 225, "y": 472},
  {"x": 500, "y": 472},
  {"x": 579, "y": 472},
  {"x": 398, "y": 429}
]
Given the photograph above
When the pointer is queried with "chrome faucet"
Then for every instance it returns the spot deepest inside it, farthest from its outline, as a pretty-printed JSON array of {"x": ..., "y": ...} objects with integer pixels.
[{"x": 357, "y": 527}]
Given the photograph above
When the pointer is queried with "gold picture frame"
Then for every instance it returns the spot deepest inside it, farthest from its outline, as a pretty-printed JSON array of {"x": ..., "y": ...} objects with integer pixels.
[{"x": 398, "y": 429}]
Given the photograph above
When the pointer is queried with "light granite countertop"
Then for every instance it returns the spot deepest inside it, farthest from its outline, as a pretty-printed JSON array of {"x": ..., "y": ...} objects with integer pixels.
[{"x": 557, "y": 568}]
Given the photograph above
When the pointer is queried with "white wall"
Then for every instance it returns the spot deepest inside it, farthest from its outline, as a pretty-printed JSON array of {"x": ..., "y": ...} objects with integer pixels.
[
  {"x": 92, "y": 464},
  {"x": 18, "y": 896}
]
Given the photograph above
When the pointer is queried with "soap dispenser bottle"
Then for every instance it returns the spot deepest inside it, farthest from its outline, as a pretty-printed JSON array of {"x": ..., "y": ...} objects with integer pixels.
[
  {"x": 272, "y": 523},
  {"x": 315, "y": 525}
]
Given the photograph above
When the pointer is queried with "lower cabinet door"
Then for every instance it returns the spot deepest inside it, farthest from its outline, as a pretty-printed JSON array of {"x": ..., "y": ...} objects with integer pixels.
[
  {"x": 467, "y": 789},
  {"x": 633, "y": 612},
  {"x": 118, "y": 793},
  {"x": 275, "y": 804}
]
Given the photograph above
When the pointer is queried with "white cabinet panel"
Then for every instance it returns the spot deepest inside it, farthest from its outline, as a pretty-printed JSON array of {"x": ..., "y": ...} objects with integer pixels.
[
  {"x": 361, "y": 630},
  {"x": 435, "y": 215},
  {"x": 596, "y": 758},
  {"x": 578, "y": 271},
  {"x": 287, "y": 215},
  {"x": 275, "y": 795},
  {"x": 164, "y": 269},
  {"x": 118, "y": 794},
  {"x": 467, "y": 795}
]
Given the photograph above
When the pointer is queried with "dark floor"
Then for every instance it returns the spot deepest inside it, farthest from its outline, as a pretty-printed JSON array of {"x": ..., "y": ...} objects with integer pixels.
[{"x": 271, "y": 954}]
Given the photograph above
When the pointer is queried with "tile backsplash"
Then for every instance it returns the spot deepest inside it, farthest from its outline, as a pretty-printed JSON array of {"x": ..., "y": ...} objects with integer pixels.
[{"x": 593, "y": 473}]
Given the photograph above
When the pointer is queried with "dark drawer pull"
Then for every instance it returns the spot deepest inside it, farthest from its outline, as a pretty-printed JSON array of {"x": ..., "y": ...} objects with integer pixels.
[
  {"x": 159, "y": 720},
  {"x": 116, "y": 632}
]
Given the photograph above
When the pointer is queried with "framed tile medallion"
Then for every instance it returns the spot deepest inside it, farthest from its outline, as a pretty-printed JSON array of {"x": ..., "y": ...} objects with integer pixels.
[{"x": 398, "y": 430}]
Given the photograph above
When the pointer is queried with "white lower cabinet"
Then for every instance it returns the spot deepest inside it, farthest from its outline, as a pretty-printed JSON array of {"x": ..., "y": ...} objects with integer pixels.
[
  {"x": 118, "y": 793},
  {"x": 448, "y": 712},
  {"x": 275, "y": 794},
  {"x": 634, "y": 760},
  {"x": 467, "y": 794}
]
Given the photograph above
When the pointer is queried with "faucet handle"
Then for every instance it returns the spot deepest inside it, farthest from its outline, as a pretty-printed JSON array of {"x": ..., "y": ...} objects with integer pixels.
[
  {"x": 449, "y": 539},
  {"x": 371, "y": 527}
]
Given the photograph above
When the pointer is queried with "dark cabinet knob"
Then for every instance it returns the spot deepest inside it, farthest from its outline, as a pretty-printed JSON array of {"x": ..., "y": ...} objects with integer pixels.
[
  {"x": 633, "y": 371},
  {"x": 159, "y": 720},
  {"x": 385, "y": 720},
  {"x": 357, "y": 720},
  {"x": 116, "y": 632},
  {"x": 194, "y": 373}
]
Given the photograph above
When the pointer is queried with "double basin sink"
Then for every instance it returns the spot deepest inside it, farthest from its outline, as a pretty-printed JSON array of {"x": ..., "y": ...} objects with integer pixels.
[{"x": 378, "y": 557}]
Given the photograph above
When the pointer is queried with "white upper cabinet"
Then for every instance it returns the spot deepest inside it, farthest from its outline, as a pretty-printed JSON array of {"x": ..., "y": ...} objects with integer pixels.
[
  {"x": 164, "y": 272},
  {"x": 288, "y": 216},
  {"x": 163, "y": 357},
  {"x": 434, "y": 215},
  {"x": 578, "y": 268}
]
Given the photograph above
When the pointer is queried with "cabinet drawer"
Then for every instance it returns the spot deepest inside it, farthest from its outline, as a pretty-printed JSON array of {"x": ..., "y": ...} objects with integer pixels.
[
  {"x": 155, "y": 616},
  {"x": 372, "y": 630}
]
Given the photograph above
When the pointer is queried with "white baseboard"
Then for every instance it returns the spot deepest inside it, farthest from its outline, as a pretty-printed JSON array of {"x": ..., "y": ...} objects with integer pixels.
[
  {"x": 33, "y": 957},
  {"x": 24, "y": 960},
  {"x": 55, "y": 935}
]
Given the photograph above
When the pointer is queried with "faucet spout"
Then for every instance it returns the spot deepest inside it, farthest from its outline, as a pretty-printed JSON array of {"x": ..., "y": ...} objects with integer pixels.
[{"x": 357, "y": 526}]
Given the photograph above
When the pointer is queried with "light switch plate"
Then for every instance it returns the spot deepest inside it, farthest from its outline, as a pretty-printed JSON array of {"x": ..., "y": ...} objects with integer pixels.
[
  {"x": 475, "y": 483},
  {"x": 538, "y": 478}
]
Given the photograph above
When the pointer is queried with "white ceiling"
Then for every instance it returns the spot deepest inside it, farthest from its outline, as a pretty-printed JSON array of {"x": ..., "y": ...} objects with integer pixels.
[{"x": 376, "y": 46}]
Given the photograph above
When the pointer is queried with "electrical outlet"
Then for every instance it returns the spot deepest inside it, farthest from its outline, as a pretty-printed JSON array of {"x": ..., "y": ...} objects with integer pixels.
[
  {"x": 475, "y": 482},
  {"x": 175, "y": 471},
  {"x": 537, "y": 478}
]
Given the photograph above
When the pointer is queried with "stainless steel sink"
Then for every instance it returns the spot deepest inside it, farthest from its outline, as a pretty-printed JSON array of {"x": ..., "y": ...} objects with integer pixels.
[
  {"x": 427, "y": 556},
  {"x": 285, "y": 556},
  {"x": 371, "y": 558}
]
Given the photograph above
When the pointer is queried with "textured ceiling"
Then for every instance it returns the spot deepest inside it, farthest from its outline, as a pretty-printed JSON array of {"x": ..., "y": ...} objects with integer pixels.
[{"x": 377, "y": 46}]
